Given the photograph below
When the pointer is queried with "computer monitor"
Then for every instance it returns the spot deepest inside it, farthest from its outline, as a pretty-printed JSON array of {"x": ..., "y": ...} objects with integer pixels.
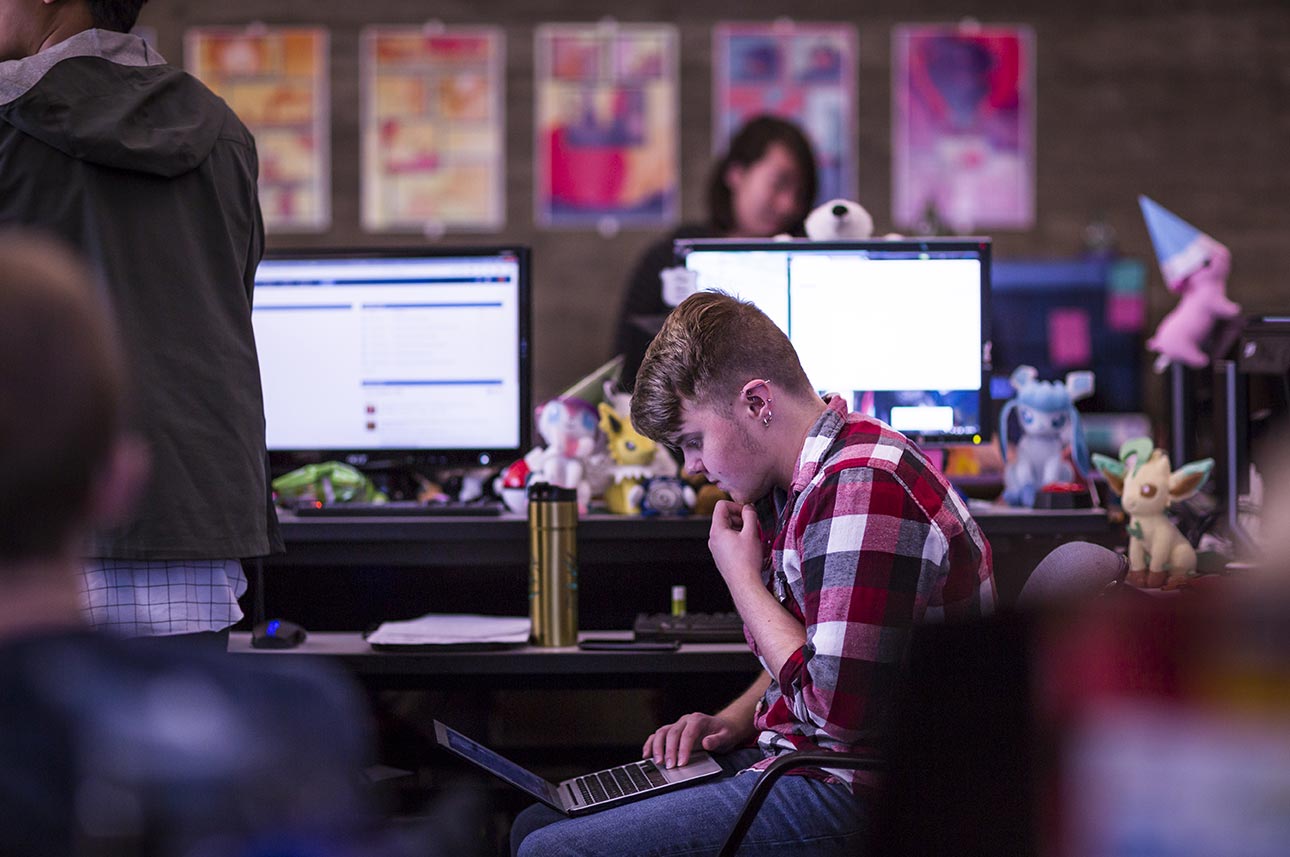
[
  {"x": 1251, "y": 399},
  {"x": 415, "y": 357},
  {"x": 1062, "y": 315},
  {"x": 901, "y": 327}
]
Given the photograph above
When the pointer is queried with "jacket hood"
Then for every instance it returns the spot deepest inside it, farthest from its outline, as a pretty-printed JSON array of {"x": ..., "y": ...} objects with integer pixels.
[{"x": 109, "y": 99}]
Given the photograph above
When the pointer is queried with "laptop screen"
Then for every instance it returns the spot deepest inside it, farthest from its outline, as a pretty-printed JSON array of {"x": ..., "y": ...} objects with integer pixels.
[{"x": 493, "y": 762}]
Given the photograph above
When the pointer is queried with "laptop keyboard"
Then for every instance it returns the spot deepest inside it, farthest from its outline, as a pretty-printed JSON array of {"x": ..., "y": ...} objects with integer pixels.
[{"x": 617, "y": 782}]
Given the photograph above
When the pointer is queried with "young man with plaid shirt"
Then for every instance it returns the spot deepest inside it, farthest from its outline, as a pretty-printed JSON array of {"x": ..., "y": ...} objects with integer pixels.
[{"x": 838, "y": 539}]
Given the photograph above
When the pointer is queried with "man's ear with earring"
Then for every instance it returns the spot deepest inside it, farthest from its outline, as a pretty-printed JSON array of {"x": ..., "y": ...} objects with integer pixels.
[{"x": 757, "y": 395}]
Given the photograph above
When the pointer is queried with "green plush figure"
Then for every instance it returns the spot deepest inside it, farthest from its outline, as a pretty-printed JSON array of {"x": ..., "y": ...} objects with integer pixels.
[
  {"x": 1159, "y": 555},
  {"x": 327, "y": 482}
]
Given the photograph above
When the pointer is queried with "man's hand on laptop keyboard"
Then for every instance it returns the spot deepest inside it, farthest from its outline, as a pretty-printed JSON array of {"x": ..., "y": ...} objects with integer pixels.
[{"x": 670, "y": 745}]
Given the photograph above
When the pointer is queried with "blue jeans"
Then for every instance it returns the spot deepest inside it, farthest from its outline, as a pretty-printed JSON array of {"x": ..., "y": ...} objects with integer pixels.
[{"x": 802, "y": 816}]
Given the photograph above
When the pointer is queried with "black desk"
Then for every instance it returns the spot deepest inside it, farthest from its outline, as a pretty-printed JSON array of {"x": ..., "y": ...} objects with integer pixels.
[
  {"x": 526, "y": 666},
  {"x": 453, "y": 541},
  {"x": 500, "y": 540},
  {"x": 349, "y": 573}
]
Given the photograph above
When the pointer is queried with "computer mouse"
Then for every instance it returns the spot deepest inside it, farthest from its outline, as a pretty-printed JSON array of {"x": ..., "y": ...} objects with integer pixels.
[{"x": 277, "y": 634}]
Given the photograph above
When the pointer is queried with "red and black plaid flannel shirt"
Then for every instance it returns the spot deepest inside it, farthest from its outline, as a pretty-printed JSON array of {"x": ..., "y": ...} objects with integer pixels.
[{"x": 871, "y": 540}]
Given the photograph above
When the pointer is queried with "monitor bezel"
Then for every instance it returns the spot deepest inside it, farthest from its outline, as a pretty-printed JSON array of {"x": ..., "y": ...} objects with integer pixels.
[
  {"x": 981, "y": 245},
  {"x": 381, "y": 458}
]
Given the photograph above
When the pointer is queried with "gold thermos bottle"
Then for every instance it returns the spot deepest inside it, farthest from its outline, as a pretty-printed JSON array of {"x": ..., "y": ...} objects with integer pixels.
[{"x": 553, "y": 564}]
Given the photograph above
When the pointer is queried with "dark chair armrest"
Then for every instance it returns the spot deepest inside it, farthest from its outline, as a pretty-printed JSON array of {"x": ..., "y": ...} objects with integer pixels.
[{"x": 778, "y": 768}]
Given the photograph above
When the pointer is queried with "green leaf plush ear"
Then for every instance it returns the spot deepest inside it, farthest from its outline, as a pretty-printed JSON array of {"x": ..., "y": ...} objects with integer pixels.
[
  {"x": 1142, "y": 447},
  {"x": 1188, "y": 479},
  {"x": 1112, "y": 469}
]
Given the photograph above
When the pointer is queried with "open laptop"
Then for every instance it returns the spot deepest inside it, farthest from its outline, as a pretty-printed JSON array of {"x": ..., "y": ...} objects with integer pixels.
[{"x": 590, "y": 792}]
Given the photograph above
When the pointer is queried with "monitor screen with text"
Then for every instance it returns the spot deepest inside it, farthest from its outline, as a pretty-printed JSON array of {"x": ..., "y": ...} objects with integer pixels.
[{"x": 395, "y": 351}]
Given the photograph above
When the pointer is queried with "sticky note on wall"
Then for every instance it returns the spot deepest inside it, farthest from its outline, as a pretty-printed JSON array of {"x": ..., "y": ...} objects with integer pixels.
[
  {"x": 1126, "y": 302},
  {"x": 1126, "y": 313},
  {"x": 1070, "y": 342}
]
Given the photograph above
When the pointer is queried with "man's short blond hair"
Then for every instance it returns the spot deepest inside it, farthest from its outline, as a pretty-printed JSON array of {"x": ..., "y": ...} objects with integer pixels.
[
  {"x": 60, "y": 385},
  {"x": 710, "y": 346}
]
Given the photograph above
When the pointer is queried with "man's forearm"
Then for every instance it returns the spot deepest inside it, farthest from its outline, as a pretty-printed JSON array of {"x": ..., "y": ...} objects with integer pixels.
[{"x": 777, "y": 632}]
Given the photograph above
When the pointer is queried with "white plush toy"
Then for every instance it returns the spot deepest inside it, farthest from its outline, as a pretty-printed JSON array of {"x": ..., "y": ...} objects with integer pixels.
[
  {"x": 839, "y": 219},
  {"x": 835, "y": 220}
]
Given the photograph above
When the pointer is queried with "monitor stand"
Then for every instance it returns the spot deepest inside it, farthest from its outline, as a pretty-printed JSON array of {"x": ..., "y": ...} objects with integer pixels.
[
  {"x": 1231, "y": 416},
  {"x": 1182, "y": 419}
]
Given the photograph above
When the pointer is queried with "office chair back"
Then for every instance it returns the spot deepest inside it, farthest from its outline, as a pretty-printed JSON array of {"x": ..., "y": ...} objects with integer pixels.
[{"x": 1074, "y": 571}]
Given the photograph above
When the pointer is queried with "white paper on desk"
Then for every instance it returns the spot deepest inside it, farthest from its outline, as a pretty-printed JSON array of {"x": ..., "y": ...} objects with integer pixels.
[{"x": 453, "y": 629}]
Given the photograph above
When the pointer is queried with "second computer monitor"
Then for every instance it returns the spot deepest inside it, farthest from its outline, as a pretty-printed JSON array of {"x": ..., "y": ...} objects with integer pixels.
[
  {"x": 415, "y": 355},
  {"x": 899, "y": 326}
]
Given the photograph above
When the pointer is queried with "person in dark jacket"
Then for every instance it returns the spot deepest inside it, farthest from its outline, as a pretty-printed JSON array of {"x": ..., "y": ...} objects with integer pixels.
[
  {"x": 763, "y": 186},
  {"x": 150, "y": 175}
]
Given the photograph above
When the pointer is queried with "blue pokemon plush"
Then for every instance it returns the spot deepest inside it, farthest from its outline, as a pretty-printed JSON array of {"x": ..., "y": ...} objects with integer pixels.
[
  {"x": 667, "y": 495},
  {"x": 1049, "y": 424}
]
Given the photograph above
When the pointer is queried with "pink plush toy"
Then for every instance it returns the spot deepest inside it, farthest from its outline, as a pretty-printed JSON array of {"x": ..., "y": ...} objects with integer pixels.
[
  {"x": 1195, "y": 267},
  {"x": 569, "y": 427}
]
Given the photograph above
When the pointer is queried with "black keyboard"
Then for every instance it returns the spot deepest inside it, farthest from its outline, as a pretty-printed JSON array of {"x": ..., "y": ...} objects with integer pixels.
[
  {"x": 400, "y": 509},
  {"x": 690, "y": 628},
  {"x": 617, "y": 782}
]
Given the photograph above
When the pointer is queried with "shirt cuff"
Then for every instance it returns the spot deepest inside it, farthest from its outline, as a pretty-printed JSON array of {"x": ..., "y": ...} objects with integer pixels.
[{"x": 790, "y": 674}]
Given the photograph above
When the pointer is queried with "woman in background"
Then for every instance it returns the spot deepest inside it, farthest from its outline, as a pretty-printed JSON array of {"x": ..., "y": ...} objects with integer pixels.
[{"x": 764, "y": 186}]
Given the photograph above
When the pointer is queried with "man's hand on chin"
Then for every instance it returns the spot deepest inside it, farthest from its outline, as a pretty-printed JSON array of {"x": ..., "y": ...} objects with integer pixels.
[{"x": 735, "y": 543}]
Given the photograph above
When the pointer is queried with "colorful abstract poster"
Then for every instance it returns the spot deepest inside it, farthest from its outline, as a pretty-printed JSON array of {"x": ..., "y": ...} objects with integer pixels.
[
  {"x": 606, "y": 123},
  {"x": 798, "y": 71},
  {"x": 963, "y": 119},
  {"x": 275, "y": 79},
  {"x": 432, "y": 129}
]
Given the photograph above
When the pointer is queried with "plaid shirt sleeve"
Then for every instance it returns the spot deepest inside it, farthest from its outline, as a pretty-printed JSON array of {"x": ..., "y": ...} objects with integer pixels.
[{"x": 857, "y": 549}]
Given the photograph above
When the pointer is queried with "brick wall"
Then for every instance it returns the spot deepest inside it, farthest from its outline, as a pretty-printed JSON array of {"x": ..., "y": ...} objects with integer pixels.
[{"x": 1188, "y": 102}]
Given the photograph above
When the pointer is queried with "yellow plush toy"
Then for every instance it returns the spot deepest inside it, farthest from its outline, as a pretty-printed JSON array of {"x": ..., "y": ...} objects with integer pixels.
[{"x": 633, "y": 453}]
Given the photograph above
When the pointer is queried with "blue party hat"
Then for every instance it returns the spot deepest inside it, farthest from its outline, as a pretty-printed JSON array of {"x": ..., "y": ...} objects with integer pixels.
[{"x": 1181, "y": 248}]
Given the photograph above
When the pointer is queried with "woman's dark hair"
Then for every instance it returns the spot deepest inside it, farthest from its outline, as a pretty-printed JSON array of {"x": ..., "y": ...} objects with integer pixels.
[
  {"x": 748, "y": 147},
  {"x": 118, "y": 15}
]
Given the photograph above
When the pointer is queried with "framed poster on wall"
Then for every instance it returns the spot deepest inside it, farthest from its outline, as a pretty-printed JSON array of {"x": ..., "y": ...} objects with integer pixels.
[
  {"x": 606, "y": 111},
  {"x": 963, "y": 120},
  {"x": 276, "y": 80},
  {"x": 804, "y": 72},
  {"x": 432, "y": 128}
]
